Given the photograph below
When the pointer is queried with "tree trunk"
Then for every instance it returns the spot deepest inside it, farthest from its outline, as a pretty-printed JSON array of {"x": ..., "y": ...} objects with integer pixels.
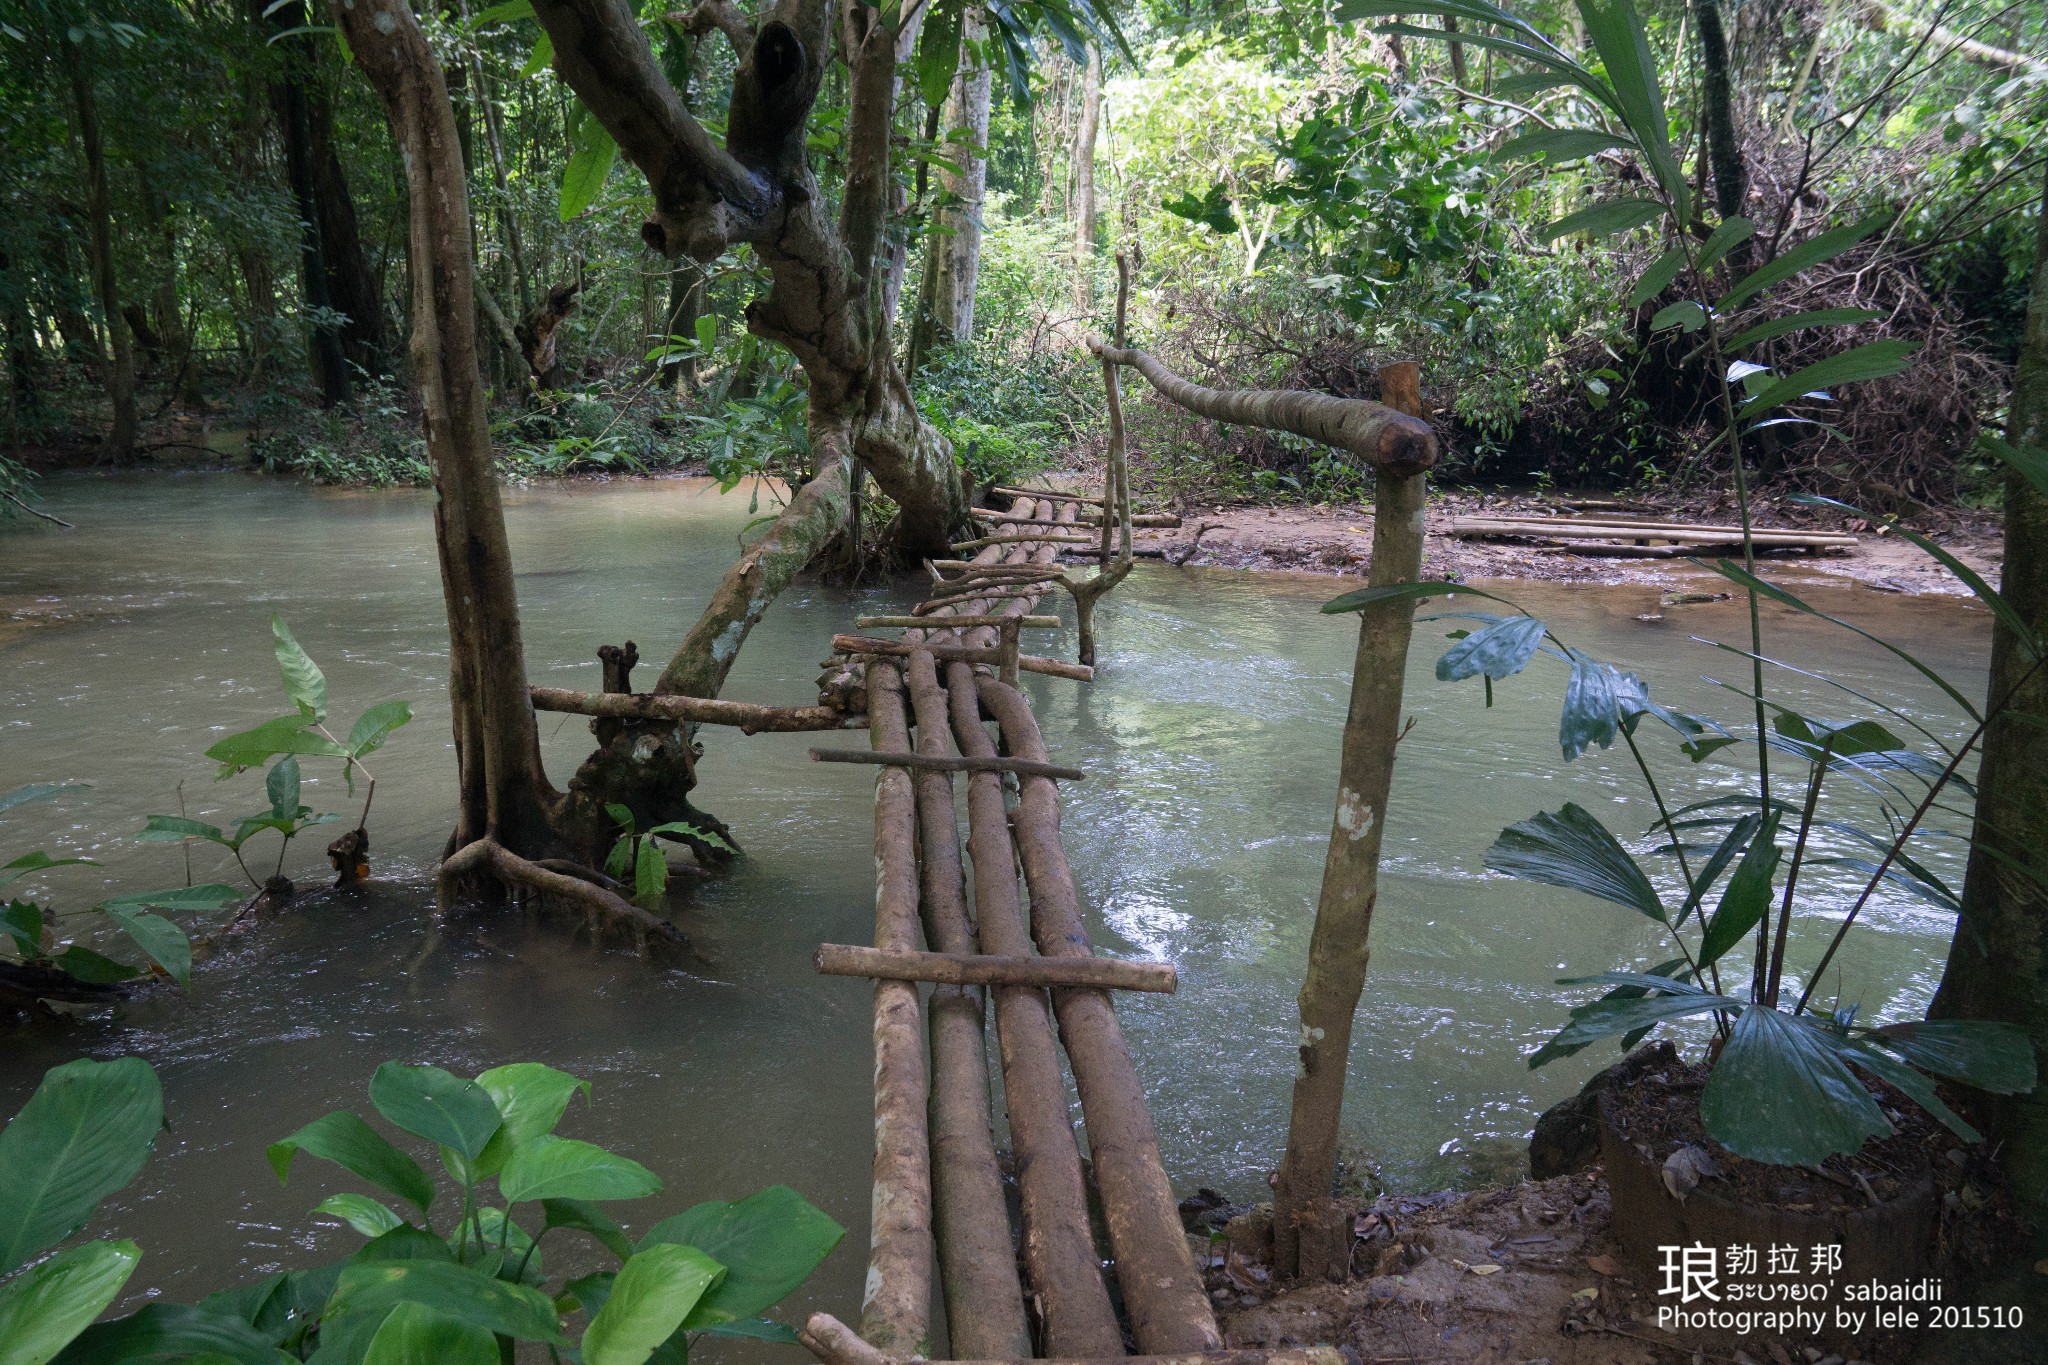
[
  {"x": 1717, "y": 101},
  {"x": 120, "y": 440},
  {"x": 1998, "y": 963},
  {"x": 945, "y": 312},
  {"x": 350, "y": 282},
  {"x": 505, "y": 795},
  {"x": 325, "y": 356},
  {"x": 1084, "y": 183},
  {"x": 685, "y": 306},
  {"x": 1305, "y": 1221}
]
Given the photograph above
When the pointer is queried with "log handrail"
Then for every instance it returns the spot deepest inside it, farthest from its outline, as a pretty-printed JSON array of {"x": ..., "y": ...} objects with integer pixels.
[
  {"x": 980, "y": 969},
  {"x": 1374, "y": 433}
]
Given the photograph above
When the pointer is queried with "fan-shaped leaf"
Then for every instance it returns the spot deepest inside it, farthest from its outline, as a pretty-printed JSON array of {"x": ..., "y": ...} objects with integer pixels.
[
  {"x": 1572, "y": 849},
  {"x": 1500, "y": 650},
  {"x": 1780, "y": 1093}
]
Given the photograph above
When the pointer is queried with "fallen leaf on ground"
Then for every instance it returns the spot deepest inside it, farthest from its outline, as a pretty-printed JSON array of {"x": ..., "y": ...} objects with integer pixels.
[
  {"x": 1485, "y": 1269},
  {"x": 1604, "y": 1265},
  {"x": 1588, "y": 1294}
]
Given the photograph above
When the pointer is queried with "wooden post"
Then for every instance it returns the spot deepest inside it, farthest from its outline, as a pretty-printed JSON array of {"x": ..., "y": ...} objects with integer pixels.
[
  {"x": 1008, "y": 633},
  {"x": 1338, "y": 947}
]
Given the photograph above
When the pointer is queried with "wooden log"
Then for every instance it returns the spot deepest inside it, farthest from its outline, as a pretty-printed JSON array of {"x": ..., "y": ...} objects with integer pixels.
[
  {"x": 931, "y": 763},
  {"x": 1048, "y": 495},
  {"x": 1154, "y": 520},
  {"x": 1137, "y": 552},
  {"x": 1058, "y": 1248},
  {"x": 748, "y": 716},
  {"x": 832, "y": 1342},
  {"x": 896, "y": 1309},
  {"x": 940, "y": 603},
  {"x": 1598, "y": 551},
  {"x": 1573, "y": 520},
  {"x": 1030, "y": 663},
  {"x": 970, "y": 1216},
  {"x": 1048, "y": 540},
  {"x": 1571, "y": 528},
  {"x": 1376, "y": 434},
  {"x": 1163, "y": 1292},
  {"x": 954, "y": 622},
  {"x": 974, "y": 969}
]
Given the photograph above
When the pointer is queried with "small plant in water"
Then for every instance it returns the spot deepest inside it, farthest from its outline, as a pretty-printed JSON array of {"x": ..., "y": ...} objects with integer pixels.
[
  {"x": 286, "y": 739},
  {"x": 460, "y": 1294},
  {"x": 637, "y": 860}
]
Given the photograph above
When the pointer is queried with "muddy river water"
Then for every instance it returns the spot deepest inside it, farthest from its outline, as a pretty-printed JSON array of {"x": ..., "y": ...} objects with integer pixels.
[{"x": 1211, "y": 737}]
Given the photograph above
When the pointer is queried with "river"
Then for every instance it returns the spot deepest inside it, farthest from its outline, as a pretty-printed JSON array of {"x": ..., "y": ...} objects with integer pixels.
[{"x": 1211, "y": 736}]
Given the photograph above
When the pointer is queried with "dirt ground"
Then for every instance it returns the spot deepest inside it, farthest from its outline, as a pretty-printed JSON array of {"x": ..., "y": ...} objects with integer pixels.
[
  {"x": 1527, "y": 1275},
  {"x": 1338, "y": 540}
]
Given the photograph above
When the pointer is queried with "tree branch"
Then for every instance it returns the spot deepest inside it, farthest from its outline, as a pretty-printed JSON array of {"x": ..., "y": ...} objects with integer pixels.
[{"x": 722, "y": 15}]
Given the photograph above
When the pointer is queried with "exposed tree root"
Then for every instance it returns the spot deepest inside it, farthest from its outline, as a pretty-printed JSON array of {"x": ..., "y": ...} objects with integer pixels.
[{"x": 609, "y": 915}]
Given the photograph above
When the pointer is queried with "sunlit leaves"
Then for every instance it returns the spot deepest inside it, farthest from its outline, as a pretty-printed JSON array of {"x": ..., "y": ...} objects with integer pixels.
[{"x": 583, "y": 178}]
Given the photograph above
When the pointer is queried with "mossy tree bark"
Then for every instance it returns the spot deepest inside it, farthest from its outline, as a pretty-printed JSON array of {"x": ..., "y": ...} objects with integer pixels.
[{"x": 1998, "y": 963}]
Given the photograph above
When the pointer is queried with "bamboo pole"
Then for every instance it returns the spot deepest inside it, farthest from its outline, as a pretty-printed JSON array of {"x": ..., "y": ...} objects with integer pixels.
[
  {"x": 972, "y": 654},
  {"x": 1339, "y": 944},
  {"x": 947, "y": 764},
  {"x": 750, "y": 717},
  {"x": 975, "y": 969},
  {"x": 896, "y": 1309},
  {"x": 1058, "y": 1249},
  {"x": 1163, "y": 1292},
  {"x": 970, "y": 1217},
  {"x": 983, "y": 619}
]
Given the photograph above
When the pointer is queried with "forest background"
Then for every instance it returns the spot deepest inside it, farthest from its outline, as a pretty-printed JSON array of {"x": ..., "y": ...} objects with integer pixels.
[{"x": 203, "y": 244}]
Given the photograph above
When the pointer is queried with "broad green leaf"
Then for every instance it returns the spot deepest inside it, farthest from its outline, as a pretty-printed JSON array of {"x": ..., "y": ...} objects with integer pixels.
[
  {"x": 304, "y": 683},
  {"x": 415, "y": 1334},
  {"x": 42, "y": 1310},
  {"x": 768, "y": 1243},
  {"x": 172, "y": 1331},
  {"x": 23, "y": 922},
  {"x": 540, "y": 59},
  {"x": 651, "y": 1296},
  {"x": 437, "y": 1105},
  {"x": 281, "y": 785},
  {"x": 584, "y": 1216},
  {"x": 374, "y": 1287},
  {"x": 530, "y": 1098},
  {"x": 1842, "y": 739},
  {"x": 517, "y": 1241},
  {"x": 1872, "y": 360},
  {"x": 164, "y": 942},
  {"x": 650, "y": 875},
  {"x": 684, "y": 827},
  {"x": 938, "y": 52},
  {"x": 1685, "y": 315},
  {"x": 583, "y": 178},
  {"x": 1610, "y": 1015},
  {"x": 1806, "y": 255},
  {"x": 552, "y": 1167},
  {"x": 39, "y": 861},
  {"x": 284, "y": 735},
  {"x": 375, "y": 725},
  {"x": 348, "y": 1142},
  {"x": 1521, "y": 85},
  {"x": 1781, "y": 1094},
  {"x": 1572, "y": 849},
  {"x": 404, "y": 1243},
  {"x": 1747, "y": 896},
  {"x": 94, "y": 968},
  {"x": 1658, "y": 277},
  {"x": 371, "y": 1217},
  {"x": 84, "y": 1134},
  {"x": 37, "y": 791},
  {"x": 1917, "y": 1087},
  {"x": 1740, "y": 576},
  {"x": 1403, "y": 592},
  {"x": 209, "y": 896},
  {"x": 1731, "y": 233},
  {"x": 506, "y": 13},
  {"x": 1795, "y": 322},
  {"x": 1597, "y": 698},
  {"x": 1499, "y": 651},
  {"x": 1604, "y": 219},
  {"x": 1978, "y": 1052},
  {"x": 1560, "y": 144},
  {"x": 590, "y": 1291},
  {"x": 175, "y": 829}
]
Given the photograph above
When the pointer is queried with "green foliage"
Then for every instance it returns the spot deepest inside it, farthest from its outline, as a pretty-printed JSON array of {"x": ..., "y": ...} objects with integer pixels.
[{"x": 636, "y": 857}]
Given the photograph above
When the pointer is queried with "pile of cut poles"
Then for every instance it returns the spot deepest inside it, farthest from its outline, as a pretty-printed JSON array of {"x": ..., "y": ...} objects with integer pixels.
[{"x": 938, "y": 1185}]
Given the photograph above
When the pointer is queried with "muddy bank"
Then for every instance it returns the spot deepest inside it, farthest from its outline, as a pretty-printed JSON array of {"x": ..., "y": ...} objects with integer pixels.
[{"x": 1338, "y": 540}]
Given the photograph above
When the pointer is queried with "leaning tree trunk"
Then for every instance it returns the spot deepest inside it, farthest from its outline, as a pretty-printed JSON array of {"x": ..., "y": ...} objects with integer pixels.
[
  {"x": 828, "y": 298},
  {"x": 945, "y": 312},
  {"x": 1084, "y": 181},
  {"x": 1998, "y": 963},
  {"x": 120, "y": 441}
]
